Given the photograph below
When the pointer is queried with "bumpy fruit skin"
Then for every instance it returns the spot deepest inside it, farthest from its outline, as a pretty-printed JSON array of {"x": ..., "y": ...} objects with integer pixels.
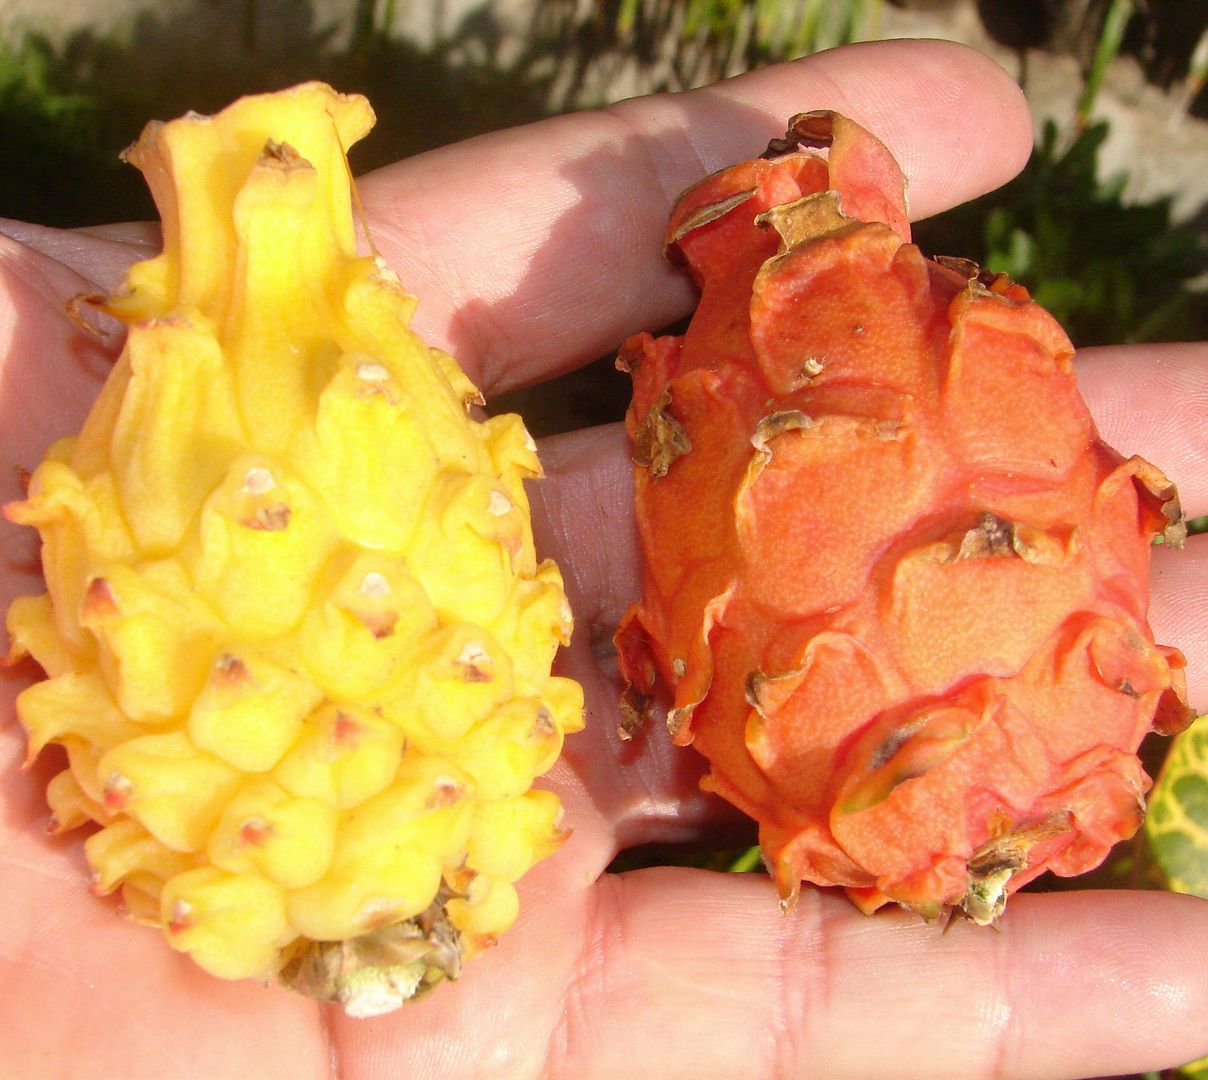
[
  {"x": 895, "y": 586},
  {"x": 297, "y": 641}
]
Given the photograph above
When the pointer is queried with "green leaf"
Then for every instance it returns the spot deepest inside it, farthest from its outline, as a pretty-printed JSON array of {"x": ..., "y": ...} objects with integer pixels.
[
  {"x": 1109, "y": 270},
  {"x": 1177, "y": 826}
]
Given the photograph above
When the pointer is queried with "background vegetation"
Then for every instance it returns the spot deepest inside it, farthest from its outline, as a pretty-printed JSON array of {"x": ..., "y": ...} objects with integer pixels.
[{"x": 1111, "y": 270}]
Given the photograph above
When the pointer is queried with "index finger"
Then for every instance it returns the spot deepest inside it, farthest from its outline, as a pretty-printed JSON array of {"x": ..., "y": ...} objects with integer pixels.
[{"x": 539, "y": 248}]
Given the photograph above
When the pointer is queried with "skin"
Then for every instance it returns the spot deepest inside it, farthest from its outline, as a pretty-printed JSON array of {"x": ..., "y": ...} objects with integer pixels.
[{"x": 535, "y": 250}]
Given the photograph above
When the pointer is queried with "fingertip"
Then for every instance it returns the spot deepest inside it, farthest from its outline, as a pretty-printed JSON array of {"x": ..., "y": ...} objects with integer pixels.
[
  {"x": 1151, "y": 400},
  {"x": 1179, "y": 591},
  {"x": 956, "y": 120},
  {"x": 1123, "y": 976},
  {"x": 970, "y": 121},
  {"x": 1071, "y": 984},
  {"x": 514, "y": 239}
]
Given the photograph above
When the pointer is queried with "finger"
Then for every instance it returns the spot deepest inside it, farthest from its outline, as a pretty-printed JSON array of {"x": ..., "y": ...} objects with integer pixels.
[
  {"x": 1179, "y": 598},
  {"x": 100, "y": 255},
  {"x": 583, "y": 517},
  {"x": 104, "y": 997},
  {"x": 50, "y": 370},
  {"x": 629, "y": 792},
  {"x": 1151, "y": 400},
  {"x": 50, "y": 366},
  {"x": 623, "y": 794},
  {"x": 539, "y": 248},
  {"x": 1070, "y": 985}
]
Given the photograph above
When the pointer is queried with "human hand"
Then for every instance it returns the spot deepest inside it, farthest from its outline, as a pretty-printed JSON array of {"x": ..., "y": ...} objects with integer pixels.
[{"x": 532, "y": 251}]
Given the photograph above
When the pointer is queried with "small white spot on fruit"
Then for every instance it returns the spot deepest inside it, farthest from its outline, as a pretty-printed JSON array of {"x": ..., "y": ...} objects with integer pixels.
[
  {"x": 372, "y": 372},
  {"x": 258, "y": 480},
  {"x": 472, "y": 652},
  {"x": 179, "y": 916},
  {"x": 499, "y": 504},
  {"x": 118, "y": 789},
  {"x": 375, "y": 584},
  {"x": 474, "y": 663}
]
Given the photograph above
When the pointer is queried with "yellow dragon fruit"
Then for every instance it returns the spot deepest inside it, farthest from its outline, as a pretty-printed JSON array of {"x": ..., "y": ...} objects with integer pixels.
[{"x": 297, "y": 640}]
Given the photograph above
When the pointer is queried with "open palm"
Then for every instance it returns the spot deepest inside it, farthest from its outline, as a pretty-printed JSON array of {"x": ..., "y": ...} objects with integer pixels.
[{"x": 533, "y": 251}]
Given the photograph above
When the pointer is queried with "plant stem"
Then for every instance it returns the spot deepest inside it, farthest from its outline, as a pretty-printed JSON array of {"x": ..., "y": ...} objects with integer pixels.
[
  {"x": 1110, "y": 37},
  {"x": 748, "y": 861}
]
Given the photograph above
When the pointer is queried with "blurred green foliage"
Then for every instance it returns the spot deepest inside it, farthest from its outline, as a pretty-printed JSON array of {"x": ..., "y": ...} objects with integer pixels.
[
  {"x": 758, "y": 30},
  {"x": 49, "y": 126},
  {"x": 1109, "y": 269},
  {"x": 69, "y": 107}
]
